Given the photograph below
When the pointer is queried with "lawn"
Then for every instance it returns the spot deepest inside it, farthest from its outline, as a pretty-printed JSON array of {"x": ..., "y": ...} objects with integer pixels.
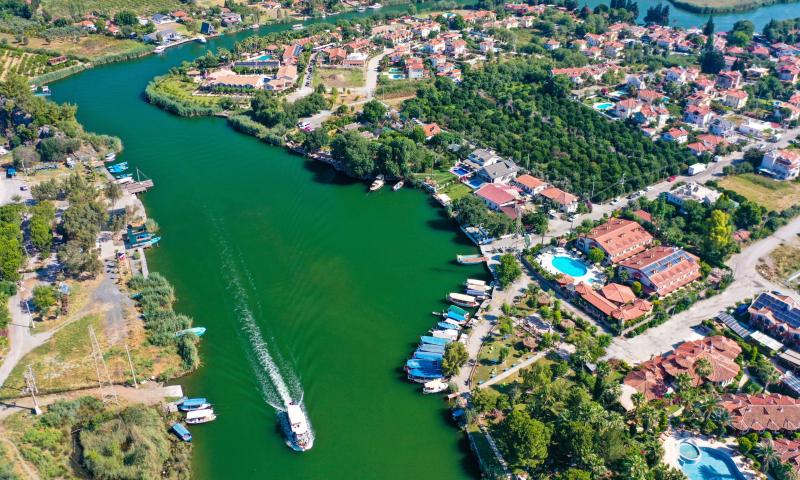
[
  {"x": 772, "y": 194},
  {"x": 441, "y": 177},
  {"x": 489, "y": 364},
  {"x": 338, "y": 77},
  {"x": 181, "y": 89},
  {"x": 93, "y": 47},
  {"x": 66, "y": 8},
  {"x": 456, "y": 190}
]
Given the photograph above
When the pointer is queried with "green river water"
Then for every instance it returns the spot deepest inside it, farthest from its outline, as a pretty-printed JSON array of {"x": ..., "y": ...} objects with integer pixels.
[
  {"x": 285, "y": 258},
  {"x": 300, "y": 276}
]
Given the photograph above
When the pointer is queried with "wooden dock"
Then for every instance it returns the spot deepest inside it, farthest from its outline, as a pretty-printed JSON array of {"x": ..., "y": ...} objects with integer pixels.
[{"x": 138, "y": 187}]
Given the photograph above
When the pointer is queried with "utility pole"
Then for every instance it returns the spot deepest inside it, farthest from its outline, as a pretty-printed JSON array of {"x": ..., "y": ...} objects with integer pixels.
[
  {"x": 103, "y": 377},
  {"x": 130, "y": 362},
  {"x": 30, "y": 384}
]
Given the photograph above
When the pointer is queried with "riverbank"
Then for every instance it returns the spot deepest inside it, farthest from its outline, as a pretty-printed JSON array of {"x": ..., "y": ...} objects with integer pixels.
[{"x": 725, "y": 6}]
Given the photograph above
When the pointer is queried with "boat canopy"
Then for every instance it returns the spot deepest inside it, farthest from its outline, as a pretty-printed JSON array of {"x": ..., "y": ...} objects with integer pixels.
[
  {"x": 452, "y": 322},
  {"x": 449, "y": 334},
  {"x": 197, "y": 414},
  {"x": 475, "y": 281},
  {"x": 432, "y": 356},
  {"x": 434, "y": 340},
  {"x": 425, "y": 364},
  {"x": 431, "y": 348},
  {"x": 193, "y": 402},
  {"x": 457, "y": 310},
  {"x": 455, "y": 316},
  {"x": 182, "y": 432},
  {"x": 447, "y": 326},
  {"x": 424, "y": 374},
  {"x": 462, "y": 298}
]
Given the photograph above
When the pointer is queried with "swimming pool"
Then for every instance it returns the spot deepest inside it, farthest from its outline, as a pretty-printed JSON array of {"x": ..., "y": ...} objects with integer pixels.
[
  {"x": 396, "y": 76},
  {"x": 603, "y": 106},
  {"x": 460, "y": 171},
  {"x": 713, "y": 464},
  {"x": 262, "y": 58},
  {"x": 689, "y": 452},
  {"x": 570, "y": 266}
]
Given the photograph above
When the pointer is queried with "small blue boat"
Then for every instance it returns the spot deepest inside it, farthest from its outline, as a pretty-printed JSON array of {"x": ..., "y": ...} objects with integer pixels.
[
  {"x": 117, "y": 169},
  {"x": 193, "y": 404},
  {"x": 431, "y": 348},
  {"x": 457, "y": 310},
  {"x": 446, "y": 326},
  {"x": 423, "y": 364},
  {"x": 434, "y": 340},
  {"x": 123, "y": 175},
  {"x": 181, "y": 432},
  {"x": 430, "y": 356},
  {"x": 199, "y": 331},
  {"x": 422, "y": 375},
  {"x": 456, "y": 317}
]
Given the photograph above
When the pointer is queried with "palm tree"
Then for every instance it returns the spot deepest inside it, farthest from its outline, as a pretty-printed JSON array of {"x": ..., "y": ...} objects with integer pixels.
[
  {"x": 767, "y": 454},
  {"x": 703, "y": 367},
  {"x": 638, "y": 400}
]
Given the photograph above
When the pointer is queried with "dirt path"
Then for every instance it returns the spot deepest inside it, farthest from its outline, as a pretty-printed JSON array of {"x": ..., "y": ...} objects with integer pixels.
[{"x": 32, "y": 474}]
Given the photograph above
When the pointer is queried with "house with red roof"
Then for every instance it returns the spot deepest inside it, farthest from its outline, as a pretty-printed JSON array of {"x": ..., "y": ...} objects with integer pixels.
[
  {"x": 697, "y": 115},
  {"x": 613, "y": 302},
  {"x": 782, "y": 164},
  {"x": 654, "y": 376},
  {"x": 530, "y": 184},
  {"x": 729, "y": 80},
  {"x": 618, "y": 238},
  {"x": 566, "y": 202},
  {"x": 764, "y": 412},
  {"x": 497, "y": 196},
  {"x": 431, "y": 130},
  {"x": 735, "y": 99},
  {"x": 662, "y": 270}
]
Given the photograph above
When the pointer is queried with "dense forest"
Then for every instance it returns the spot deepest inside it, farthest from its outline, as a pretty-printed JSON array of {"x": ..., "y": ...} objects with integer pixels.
[{"x": 516, "y": 108}]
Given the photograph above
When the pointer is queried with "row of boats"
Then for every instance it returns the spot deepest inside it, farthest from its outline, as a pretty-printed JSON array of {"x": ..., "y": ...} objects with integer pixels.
[
  {"x": 197, "y": 411},
  {"x": 425, "y": 365},
  {"x": 380, "y": 181}
]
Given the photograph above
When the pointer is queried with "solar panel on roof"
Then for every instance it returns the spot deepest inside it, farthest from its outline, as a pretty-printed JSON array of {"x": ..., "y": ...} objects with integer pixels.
[
  {"x": 792, "y": 382},
  {"x": 734, "y": 325},
  {"x": 766, "y": 341}
]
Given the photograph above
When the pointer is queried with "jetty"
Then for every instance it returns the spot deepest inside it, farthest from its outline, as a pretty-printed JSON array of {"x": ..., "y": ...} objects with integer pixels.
[{"x": 138, "y": 187}]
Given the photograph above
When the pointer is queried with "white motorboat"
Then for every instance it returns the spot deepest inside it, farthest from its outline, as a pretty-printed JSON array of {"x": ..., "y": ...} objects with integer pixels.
[
  {"x": 397, "y": 186},
  {"x": 297, "y": 26},
  {"x": 462, "y": 300},
  {"x": 434, "y": 386},
  {"x": 377, "y": 184},
  {"x": 376, "y": 6},
  {"x": 203, "y": 415},
  {"x": 301, "y": 437}
]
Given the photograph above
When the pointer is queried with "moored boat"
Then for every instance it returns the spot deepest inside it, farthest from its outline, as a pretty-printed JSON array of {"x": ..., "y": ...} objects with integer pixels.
[
  {"x": 448, "y": 326},
  {"x": 462, "y": 300},
  {"x": 458, "y": 310},
  {"x": 204, "y": 415},
  {"x": 472, "y": 281},
  {"x": 377, "y": 183},
  {"x": 362, "y": 9},
  {"x": 468, "y": 259},
  {"x": 199, "y": 331},
  {"x": 434, "y": 386},
  {"x": 181, "y": 432},
  {"x": 427, "y": 339},
  {"x": 376, "y": 6},
  {"x": 445, "y": 334},
  {"x": 397, "y": 186},
  {"x": 301, "y": 437},
  {"x": 201, "y": 39},
  {"x": 110, "y": 157},
  {"x": 297, "y": 26},
  {"x": 193, "y": 404}
]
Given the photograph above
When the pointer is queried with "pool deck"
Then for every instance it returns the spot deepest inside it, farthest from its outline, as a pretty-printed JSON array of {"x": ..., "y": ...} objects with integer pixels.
[
  {"x": 593, "y": 274},
  {"x": 728, "y": 445}
]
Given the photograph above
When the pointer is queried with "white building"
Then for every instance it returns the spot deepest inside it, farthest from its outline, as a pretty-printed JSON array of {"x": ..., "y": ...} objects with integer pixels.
[
  {"x": 692, "y": 191},
  {"x": 781, "y": 164}
]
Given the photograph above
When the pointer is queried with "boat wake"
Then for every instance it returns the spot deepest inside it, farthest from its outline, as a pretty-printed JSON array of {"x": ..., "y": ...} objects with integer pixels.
[{"x": 280, "y": 385}]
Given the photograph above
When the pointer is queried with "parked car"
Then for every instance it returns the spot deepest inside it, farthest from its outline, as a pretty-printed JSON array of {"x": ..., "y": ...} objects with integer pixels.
[{"x": 671, "y": 178}]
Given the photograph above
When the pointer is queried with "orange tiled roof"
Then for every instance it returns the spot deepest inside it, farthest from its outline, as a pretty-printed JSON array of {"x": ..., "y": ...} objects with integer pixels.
[
  {"x": 762, "y": 412},
  {"x": 620, "y": 238}
]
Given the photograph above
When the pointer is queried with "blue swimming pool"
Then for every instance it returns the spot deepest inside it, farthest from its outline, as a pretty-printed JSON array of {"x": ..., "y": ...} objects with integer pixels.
[
  {"x": 263, "y": 58},
  {"x": 460, "y": 171},
  {"x": 713, "y": 464},
  {"x": 570, "y": 266},
  {"x": 603, "y": 106},
  {"x": 396, "y": 76},
  {"x": 689, "y": 452}
]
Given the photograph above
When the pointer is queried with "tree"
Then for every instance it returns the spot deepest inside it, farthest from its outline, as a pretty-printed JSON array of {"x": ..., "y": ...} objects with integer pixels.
[
  {"x": 508, "y": 270},
  {"x": 525, "y": 439},
  {"x": 40, "y": 227},
  {"x": 113, "y": 192},
  {"x": 708, "y": 29},
  {"x": 712, "y": 61},
  {"x": 536, "y": 221},
  {"x": 720, "y": 235},
  {"x": 596, "y": 255},
  {"x": 503, "y": 353},
  {"x": 373, "y": 112},
  {"x": 703, "y": 367},
  {"x": 44, "y": 298},
  {"x": 766, "y": 453},
  {"x": 316, "y": 139},
  {"x": 484, "y": 399},
  {"x": 125, "y": 17},
  {"x": 748, "y": 214},
  {"x": 455, "y": 356}
]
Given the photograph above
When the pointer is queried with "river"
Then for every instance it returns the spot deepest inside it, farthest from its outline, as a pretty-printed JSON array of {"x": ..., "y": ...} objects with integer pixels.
[
  {"x": 277, "y": 254},
  {"x": 309, "y": 287}
]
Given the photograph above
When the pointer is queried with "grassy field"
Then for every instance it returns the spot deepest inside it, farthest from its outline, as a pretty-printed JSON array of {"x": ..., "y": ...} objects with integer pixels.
[
  {"x": 92, "y": 47},
  {"x": 63, "y": 8},
  {"x": 771, "y": 194},
  {"x": 27, "y": 64},
  {"x": 489, "y": 364},
  {"x": 338, "y": 77},
  {"x": 181, "y": 89},
  {"x": 456, "y": 190}
]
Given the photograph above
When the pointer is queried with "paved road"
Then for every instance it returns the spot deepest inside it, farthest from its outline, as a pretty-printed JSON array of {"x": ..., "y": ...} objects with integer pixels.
[
  {"x": 305, "y": 89},
  {"x": 10, "y": 187},
  {"x": 681, "y": 327},
  {"x": 511, "y": 371}
]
